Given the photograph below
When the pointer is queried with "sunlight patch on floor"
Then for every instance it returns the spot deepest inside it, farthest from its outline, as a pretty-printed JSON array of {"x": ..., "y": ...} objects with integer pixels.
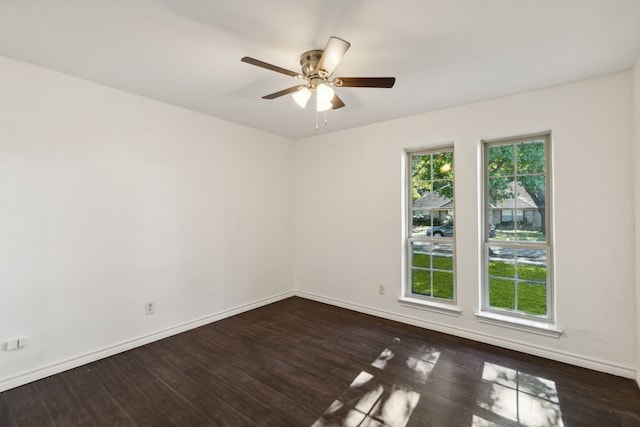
[
  {"x": 388, "y": 394},
  {"x": 509, "y": 395}
]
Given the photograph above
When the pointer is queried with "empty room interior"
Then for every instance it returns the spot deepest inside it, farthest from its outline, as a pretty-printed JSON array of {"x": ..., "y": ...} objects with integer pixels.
[{"x": 242, "y": 213}]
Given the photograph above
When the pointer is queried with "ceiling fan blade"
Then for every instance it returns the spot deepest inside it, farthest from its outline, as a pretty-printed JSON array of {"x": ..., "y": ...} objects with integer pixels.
[
  {"x": 283, "y": 92},
  {"x": 336, "y": 102},
  {"x": 271, "y": 67},
  {"x": 382, "y": 82},
  {"x": 333, "y": 53}
]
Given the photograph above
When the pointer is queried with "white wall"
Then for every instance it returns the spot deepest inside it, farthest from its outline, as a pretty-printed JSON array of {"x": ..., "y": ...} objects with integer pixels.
[
  {"x": 348, "y": 213},
  {"x": 109, "y": 200},
  {"x": 636, "y": 169}
]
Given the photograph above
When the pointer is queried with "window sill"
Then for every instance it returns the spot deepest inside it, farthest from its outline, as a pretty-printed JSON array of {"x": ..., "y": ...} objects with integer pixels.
[
  {"x": 437, "y": 307},
  {"x": 526, "y": 325}
]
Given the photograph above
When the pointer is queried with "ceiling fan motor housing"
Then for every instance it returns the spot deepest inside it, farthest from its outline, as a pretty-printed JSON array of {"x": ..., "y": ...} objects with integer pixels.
[{"x": 309, "y": 62}]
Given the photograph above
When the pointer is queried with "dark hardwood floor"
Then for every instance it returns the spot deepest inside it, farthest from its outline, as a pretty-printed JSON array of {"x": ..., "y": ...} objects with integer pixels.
[{"x": 301, "y": 363}]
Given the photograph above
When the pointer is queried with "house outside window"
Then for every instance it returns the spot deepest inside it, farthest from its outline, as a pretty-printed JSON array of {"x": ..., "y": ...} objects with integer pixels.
[
  {"x": 518, "y": 256},
  {"x": 430, "y": 235}
]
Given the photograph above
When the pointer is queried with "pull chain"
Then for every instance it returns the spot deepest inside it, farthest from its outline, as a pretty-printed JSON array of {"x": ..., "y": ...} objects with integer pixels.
[{"x": 325, "y": 118}]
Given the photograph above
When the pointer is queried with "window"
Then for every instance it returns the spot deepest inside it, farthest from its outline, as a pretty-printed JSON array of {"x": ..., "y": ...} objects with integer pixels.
[
  {"x": 517, "y": 253},
  {"x": 430, "y": 241}
]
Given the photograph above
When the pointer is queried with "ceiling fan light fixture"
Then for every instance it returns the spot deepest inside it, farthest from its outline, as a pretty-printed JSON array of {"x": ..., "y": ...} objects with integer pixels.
[
  {"x": 317, "y": 72},
  {"x": 331, "y": 56},
  {"x": 324, "y": 95},
  {"x": 302, "y": 97}
]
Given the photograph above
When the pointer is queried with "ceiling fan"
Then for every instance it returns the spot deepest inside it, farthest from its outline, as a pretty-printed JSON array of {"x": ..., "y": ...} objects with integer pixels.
[{"x": 317, "y": 73}]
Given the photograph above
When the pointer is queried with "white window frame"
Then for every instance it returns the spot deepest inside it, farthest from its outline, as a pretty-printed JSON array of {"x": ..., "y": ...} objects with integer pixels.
[
  {"x": 408, "y": 298},
  {"x": 544, "y": 325}
]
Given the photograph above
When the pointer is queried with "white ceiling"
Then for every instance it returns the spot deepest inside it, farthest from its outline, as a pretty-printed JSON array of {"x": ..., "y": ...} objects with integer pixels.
[{"x": 442, "y": 52}]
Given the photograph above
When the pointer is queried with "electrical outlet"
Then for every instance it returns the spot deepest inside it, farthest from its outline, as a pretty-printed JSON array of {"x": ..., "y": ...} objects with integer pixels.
[
  {"x": 149, "y": 307},
  {"x": 22, "y": 342},
  {"x": 381, "y": 289},
  {"x": 17, "y": 343}
]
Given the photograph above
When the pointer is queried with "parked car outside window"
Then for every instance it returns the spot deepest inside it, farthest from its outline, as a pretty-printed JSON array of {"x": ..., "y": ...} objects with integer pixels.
[{"x": 446, "y": 230}]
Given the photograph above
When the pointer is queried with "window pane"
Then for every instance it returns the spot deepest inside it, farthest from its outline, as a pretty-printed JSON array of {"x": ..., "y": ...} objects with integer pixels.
[
  {"x": 424, "y": 199},
  {"x": 532, "y": 264},
  {"x": 421, "y": 216},
  {"x": 532, "y": 298},
  {"x": 432, "y": 269},
  {"x": 532, "y": 272},
  {"x": 443, "y": 285},
  {"x": 421, "y": 282},
  {"x": 500, "y": 268},
  {"x": 421, "y": 167},
  {"x": 517, "y": 207},
  {"x": 442, "y": 262},
  {"x": 502, "y": 293},
  {"x": 501, "y": 205},
  {"x": 518, "y": 279},
  {"x": 443, "y": 165},
  {"x": 420, "y": 189},
  {"x": 421, "y": 268},
  {"x": 501, "y": 160},
  {"x": 442, "y": 216},
  {"x": 531, "y": 200},
  {"x": 442, "y": 256},
  {"x": 443, "y": 226},
  {"x": 421, "y": 254},
  {"x": 443, "y": 193},
  {"x": 531, "y": 158},
  {"x": 420, "y": 220},
  {"x": 431, "y": 209},
  {"x": 501, "y": 192}
]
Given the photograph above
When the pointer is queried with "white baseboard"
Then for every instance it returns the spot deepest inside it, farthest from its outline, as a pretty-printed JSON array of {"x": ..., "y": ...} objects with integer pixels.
[
  {"x": 578, "y": 360},
  {"x": 560, "y": 356},
  {"x": 45, "y": 371}
]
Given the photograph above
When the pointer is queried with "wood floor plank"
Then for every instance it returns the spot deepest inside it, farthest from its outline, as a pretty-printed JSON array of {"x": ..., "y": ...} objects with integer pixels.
[
  {"x": 273, "y": 369},
  {"x": 284, "y": 406},
  {"x": 232, "y": 368},
  {"x": 297, "y": 362},
  {"x": 93, "y": 397},
  {"x": 205, "y": 396},
  {"x": 294, "y": 382},
  {"x": 61, "y": 404},
  {"x": 128, "y": 396},
  {"x": 5, "y": 416},
  {"x": 177, "y": 410},
  {"x": 232, "y": 393},
  {"x": 26, "y": 407}
]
